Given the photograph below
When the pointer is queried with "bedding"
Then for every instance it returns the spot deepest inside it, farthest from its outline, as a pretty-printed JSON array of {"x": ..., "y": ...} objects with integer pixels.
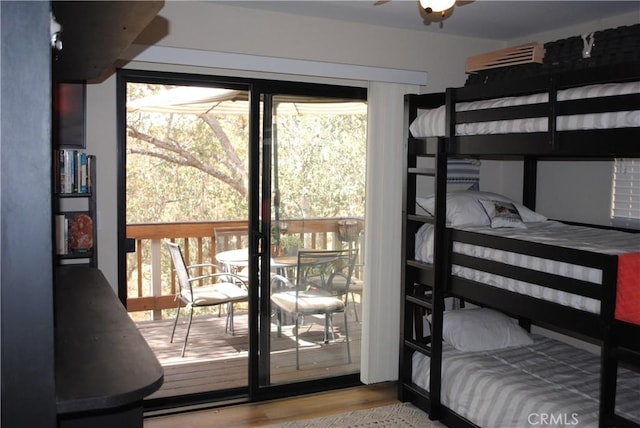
[
  {"x": 482, "y": 329},
  {"x": 547, "y": 232},
  {"x": 628, "y": 288},
  {"x": 465, "y": 208},
  {"x": 516, "y": 387},
  {"x": 431, "y": 123}
]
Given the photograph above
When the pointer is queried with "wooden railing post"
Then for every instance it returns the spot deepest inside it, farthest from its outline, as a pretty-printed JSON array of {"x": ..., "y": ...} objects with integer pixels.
[{"x": 156, "y": 274}]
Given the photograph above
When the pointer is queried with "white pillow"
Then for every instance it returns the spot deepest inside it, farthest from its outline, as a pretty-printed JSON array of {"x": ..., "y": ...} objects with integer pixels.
[
  {"x": 482, "y": 329},
  {"x": 465, "y": 208},
  {"x": 421, "y": 204},
  {"x": 502, "y": 214}
]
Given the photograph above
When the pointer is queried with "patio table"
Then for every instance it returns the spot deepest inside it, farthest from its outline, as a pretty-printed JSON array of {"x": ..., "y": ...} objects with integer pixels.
[{"x": 234, "y": 260}]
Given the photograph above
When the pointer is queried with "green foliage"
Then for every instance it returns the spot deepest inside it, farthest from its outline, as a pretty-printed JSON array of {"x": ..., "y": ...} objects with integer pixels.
[
  {"x": 290, "y": 241},
  {"x": 321, "y": 165},
  {"x": 185, "y": 167}
]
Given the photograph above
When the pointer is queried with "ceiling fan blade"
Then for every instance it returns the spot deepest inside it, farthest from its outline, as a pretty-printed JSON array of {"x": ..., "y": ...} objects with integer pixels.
[{"x": 381, "y": 2}]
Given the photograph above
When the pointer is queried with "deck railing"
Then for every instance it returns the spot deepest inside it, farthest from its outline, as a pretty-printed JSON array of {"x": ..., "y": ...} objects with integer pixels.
[{"x": 151, "y": 282}]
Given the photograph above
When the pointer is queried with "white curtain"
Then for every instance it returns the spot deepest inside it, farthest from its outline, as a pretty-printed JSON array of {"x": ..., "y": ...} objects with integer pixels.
[{"x": 381, "y": 298}]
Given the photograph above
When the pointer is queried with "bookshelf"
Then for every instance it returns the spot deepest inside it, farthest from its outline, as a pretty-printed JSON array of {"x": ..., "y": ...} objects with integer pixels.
[{"x": 75, "y": 220}]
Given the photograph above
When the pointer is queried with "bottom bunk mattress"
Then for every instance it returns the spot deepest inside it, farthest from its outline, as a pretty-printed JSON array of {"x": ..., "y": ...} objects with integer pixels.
[{"x": 548, "y": 383}]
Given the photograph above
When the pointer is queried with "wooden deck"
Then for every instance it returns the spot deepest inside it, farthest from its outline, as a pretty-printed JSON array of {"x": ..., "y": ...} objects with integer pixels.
[{"x": 215, "y": 360}]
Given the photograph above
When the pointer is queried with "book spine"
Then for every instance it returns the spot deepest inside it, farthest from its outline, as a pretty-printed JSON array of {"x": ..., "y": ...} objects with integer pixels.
[
  {"x": 66, "y": 235},
  {"x": 83, "y": 173},
  {"x": 56, "y": 172},
  {"x": 76, "y": 171},
  {"x": 61, "y": 234},
  {"x": 63, "y": 171},
  {"x": 68, "y": 176},
  {"x": 89, "y": 174}
]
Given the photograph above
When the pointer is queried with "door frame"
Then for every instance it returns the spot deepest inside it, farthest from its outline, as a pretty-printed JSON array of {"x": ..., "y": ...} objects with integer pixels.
[{"x": 259, "y": 163}]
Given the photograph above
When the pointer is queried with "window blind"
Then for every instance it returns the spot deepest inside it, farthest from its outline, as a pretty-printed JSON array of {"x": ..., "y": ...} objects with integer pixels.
[{"x": 625, "y": 206}]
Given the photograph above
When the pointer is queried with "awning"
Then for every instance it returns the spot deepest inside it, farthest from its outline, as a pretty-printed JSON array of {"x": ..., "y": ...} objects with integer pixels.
[{"x": 199, "y": 100}]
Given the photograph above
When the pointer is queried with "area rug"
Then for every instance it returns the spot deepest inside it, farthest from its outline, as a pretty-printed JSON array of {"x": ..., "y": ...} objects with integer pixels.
[{"x": 403, "y": 415}]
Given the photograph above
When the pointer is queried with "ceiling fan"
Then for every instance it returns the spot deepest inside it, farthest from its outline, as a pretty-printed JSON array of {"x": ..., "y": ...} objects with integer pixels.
[
  {"x": 437, "y": 6},
  {"x": 432, "y": 8}
]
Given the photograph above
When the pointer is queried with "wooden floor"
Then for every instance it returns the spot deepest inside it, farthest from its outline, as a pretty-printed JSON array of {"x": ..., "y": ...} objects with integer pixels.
[
  {"x": 215, "y": 360},
  {"x": 283, "y": 410}
]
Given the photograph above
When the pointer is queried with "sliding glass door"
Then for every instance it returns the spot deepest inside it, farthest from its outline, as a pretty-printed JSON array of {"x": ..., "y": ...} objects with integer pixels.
[
  {"x": 187, "y": 182},
  {"x": 316, "y": 203},
  {"x": 242, "y": 174}
]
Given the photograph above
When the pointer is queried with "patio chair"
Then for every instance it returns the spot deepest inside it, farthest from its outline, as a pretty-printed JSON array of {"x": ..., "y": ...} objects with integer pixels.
[
  {"x": 343, "y": 282},
  {"x": 223, "y": 288},
  {"x": 311, "y": 293},
  {"x": 232, "y": 238}
]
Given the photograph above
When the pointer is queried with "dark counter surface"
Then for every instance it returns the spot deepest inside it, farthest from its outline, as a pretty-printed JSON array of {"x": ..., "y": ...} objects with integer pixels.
[{"x": 102, "y": 361}]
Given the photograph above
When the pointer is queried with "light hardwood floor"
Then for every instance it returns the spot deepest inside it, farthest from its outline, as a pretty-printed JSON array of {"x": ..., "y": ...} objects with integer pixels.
[{"x": 283, "y": 410}]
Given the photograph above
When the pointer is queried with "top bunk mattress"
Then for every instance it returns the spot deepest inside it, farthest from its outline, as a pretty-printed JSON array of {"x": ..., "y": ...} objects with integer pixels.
[{"x": 432, "y": 123}]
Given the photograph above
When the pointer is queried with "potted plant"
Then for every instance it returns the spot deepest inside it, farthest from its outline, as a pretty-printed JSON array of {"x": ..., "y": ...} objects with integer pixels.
[
  {"x": 349, "y": 230},
  {"x": 290, "y": 244}
]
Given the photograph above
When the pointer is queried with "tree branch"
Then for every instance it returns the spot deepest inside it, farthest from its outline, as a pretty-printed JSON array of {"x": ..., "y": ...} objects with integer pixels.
[{"x": 183, "y": 157}]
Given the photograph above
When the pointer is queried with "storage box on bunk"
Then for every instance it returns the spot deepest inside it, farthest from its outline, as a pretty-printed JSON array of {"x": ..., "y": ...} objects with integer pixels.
[{"x": 609, "y": 47}]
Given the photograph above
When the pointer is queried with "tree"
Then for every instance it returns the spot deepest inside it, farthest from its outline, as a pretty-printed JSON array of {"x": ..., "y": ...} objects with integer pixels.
[{"x": 196, "y": 166}]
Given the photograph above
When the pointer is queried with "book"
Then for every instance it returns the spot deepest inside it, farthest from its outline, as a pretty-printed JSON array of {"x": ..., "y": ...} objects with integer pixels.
[
  {"x": 90, "y": 166},
  {"x": 72, "y": 171},
  {"x": 69, "y": 166},
  {"x": 62, "y": 171},
  {"x": 83, "y": 173},
  {"x": 61, "y": 234},
  {"x": 81, "y": 233}
]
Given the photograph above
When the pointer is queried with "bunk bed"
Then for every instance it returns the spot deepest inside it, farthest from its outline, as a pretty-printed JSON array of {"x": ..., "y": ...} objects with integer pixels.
[{"x": 587, "y": 287}]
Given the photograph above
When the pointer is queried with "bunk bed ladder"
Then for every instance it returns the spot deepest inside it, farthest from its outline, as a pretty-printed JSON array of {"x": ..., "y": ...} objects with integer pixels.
[
  {"x": 424, "y": 285},
  {"x": 417, "y": 278},
  {"x": 419, "y": 294}
]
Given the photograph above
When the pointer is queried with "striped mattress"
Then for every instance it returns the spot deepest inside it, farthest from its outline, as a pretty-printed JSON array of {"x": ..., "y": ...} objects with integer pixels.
[
  {"x": 547, "y": 232},
  {"x": 431, "y": 123},
  {"x": 548, "y": 383}
]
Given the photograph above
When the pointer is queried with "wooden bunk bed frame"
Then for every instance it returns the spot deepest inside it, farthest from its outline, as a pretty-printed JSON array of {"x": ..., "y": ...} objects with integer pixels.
[{"x": 425, "y": 286}]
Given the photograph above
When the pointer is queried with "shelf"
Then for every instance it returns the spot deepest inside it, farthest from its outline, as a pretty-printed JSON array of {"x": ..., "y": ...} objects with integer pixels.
[
  {"x": 95, "y": 34},
  {"x": 74, "y": 195},
  {"x": 86, "y": 255},
  {"x": 72, "y": 227}
]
